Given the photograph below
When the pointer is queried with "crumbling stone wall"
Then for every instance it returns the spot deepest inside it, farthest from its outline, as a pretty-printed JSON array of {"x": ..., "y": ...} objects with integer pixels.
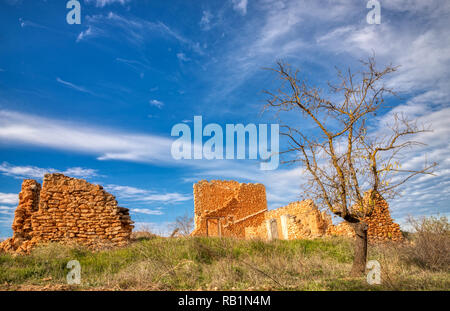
[
  {"x": 67, "y": 209},
  {"x": 298, "y": 220},
  {"x": 342, "y": 229},
  {"x": 381, "y": 227},
  {"x": 228, "y": 207},
  {"x": 28, "y": 204}
]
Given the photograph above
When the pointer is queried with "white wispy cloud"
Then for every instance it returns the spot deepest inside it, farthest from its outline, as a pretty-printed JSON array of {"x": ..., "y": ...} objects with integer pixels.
[
  {"x": 90, "y": 32},
  {"x": 423, "y": 58},
  {"x": 9, "y": 198},
  {"x": 240, "y": 6},
  {"x": 28, "y": 171},
  {"x": 74, "y": 86},
  {"x": 7, "y": 210},
  {"x": 137, "y": 66},
  {"x": 183, "y": 57},
  {"x": 26, "y": 23},
  {"x": 134, "y": 30},
  {"x": 205, "y": 21},
  {"x": 147, "y": 196},
  {"x": 80, "y": 172},
  {"x": 103, "y": 3},
  {"x": 104, "y": 143},
  {"x": 7, "y": 220},
  {"x": 147, "y": 211},
  {"x": 156, "y": 103},
  {"x": 126, "y": 191},
  {"x": 276, "y": 33}
]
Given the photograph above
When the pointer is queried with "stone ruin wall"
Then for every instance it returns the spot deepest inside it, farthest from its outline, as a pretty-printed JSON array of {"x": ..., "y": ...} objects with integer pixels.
[
  {"x": 298, "y": 220},
  {"x": 232, "y": 201},
  {"x": 238, "y": 205},
  {"x": 67, "y": 209},
  {"x": 381, "y": 227},
  {"x": 28, "y": 204}
]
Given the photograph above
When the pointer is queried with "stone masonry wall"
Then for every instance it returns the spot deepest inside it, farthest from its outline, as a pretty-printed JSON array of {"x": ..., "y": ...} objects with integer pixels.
[
  {"x": 381, "y": 227},
  {"x": 235, "y": 205},
  {"x": 67, "y": 209},
  {"x": 28, "y": 204},
  {"x": 303, "y": 220}
]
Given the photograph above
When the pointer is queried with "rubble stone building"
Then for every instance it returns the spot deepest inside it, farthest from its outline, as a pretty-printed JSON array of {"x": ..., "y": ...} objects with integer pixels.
[
  {"x": 232, "y": 209},
  {"x": 67, "y": 209}
]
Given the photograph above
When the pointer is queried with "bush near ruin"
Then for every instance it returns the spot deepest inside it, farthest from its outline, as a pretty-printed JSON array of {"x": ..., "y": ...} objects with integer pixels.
[
  {"x": 430, "y": 247},
  {"x": 69, "y": 210}
]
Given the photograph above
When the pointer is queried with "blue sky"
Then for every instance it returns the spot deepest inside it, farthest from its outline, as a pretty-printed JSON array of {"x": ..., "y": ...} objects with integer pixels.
[{"x": 98, "y": 100}]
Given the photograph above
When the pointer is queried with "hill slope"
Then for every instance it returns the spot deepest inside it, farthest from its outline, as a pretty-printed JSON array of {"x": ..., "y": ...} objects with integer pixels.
[{"x": 155, "y": 263}]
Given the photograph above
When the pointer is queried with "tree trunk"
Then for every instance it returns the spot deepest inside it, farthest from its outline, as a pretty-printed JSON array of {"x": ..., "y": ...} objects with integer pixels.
[{"x": 360, "y": 249}]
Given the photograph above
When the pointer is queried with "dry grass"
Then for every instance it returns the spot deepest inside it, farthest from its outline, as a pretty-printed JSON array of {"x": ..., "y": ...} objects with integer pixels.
[
  {"x": 142, "y": 235},
  {"x": 185, "y": 263}
]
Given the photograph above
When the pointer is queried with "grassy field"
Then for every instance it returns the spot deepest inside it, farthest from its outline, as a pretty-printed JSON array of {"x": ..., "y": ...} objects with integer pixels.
[{"x": 156, "y": 263}]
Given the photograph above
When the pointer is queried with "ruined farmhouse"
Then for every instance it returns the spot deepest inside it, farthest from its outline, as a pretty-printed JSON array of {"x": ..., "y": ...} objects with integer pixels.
[{"x": 232, "y": 209}]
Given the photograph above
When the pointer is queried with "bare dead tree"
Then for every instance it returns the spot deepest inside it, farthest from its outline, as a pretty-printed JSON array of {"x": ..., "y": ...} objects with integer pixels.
[
  {"x": 347, "y": 166},
  {"x": 183, "y": 225}
]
